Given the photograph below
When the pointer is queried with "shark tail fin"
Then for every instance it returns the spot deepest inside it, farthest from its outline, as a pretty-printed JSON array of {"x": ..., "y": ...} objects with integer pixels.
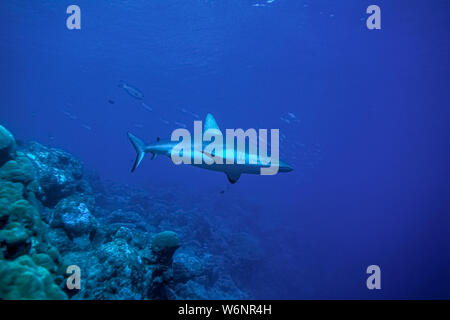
[{"x": 139, "y": 145}]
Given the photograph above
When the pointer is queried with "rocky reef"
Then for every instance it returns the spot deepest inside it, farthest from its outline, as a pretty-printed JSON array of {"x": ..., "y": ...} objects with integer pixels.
[
  {"x": 128, "y": 243},
  {"x": 30, "y": 267}
]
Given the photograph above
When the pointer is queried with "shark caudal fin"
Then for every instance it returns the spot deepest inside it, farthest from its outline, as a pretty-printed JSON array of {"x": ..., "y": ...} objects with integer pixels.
[{"x": 139, "y": 145}]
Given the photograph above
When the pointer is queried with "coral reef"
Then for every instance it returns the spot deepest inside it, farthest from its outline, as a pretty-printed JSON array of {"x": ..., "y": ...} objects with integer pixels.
[
  {"x": 164, "y": 245},
  {"x": 128, "y": 243},
  {"x": 7, "y": 145},
  {"x": 58, "y": 173},
  {"x": 29, "y": 264},
  {"x": 23, "y": 278}
]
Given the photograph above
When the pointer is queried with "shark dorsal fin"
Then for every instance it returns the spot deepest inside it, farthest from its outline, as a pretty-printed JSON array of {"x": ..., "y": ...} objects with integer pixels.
[{"x": 210, "y": 123}]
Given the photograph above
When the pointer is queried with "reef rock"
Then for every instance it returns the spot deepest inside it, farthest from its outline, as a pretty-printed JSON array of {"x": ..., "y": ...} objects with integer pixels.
[
  {"x": 79, "y": 221},
  {"x": 186, "y": 266},
  {"x": 223, "y": 289},
  {"x": 123, "y": 276},
  {"x": 7, "y": 145},
  {"x": 129, "y": 218},
  {"x": 58, "y": 173},
  {"x": 164, "y": 245}
]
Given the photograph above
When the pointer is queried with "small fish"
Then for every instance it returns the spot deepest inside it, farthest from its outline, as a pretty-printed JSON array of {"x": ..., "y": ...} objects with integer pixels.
[
  {"x": 290, "y": 114},
  {"x": 111, "y": 101},
  {"x": 285, "y": 120},
  {"x": 289, "y": 117},
  {"x": 131, "y": 90},
  {"x": 196, "y": 116},
  {"x": 146, "y": 107},
  {"x": 180, "y": 124},
  {"x": 70, "y": 116},
  {"x": 189, "y": 112},
  {"x": 163, "y": 121},
  {"x": 86, "y": 127}
]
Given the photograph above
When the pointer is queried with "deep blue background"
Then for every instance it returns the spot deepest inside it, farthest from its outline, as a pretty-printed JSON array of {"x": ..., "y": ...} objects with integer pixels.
[{"x": 371, "y": 151}]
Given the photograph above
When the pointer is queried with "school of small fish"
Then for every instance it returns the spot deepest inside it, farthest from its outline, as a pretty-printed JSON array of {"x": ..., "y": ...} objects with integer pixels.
[{"x": 303, "y": 155}]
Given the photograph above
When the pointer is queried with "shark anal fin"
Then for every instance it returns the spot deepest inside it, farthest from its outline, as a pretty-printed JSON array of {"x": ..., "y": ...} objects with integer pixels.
[{"x": 233, "y": 177}]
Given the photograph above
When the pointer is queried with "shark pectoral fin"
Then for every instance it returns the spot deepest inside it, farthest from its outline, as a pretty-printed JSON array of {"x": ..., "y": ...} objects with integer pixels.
[
  {"x": 210, "y": 158},
  {"x": 200, "y": 157},
  {"x": 233, "y": 177},
  {"x": 207, "y": 158}
]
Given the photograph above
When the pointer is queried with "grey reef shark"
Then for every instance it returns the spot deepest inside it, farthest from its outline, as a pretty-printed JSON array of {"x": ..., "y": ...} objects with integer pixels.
[{"x": 225, "y": 161}]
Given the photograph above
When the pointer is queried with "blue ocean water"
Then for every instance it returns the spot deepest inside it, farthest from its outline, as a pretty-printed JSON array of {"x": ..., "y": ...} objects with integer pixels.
[{"x": 369, "y": 142}]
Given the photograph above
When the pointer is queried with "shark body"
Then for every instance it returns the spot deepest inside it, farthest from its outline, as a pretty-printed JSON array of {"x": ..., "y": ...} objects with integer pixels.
[{"x": 232, "y": 171}]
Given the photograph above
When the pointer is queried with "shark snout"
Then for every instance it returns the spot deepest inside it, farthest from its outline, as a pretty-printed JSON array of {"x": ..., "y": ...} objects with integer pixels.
[{"x": 285, "y": 168}]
